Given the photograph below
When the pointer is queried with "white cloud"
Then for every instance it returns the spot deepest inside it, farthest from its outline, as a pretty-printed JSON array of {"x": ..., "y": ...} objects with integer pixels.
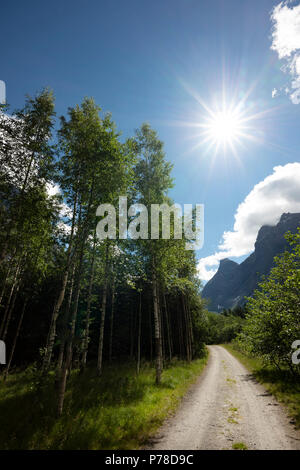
[
  {"x": 63, "y": 228},
  {"x": 2, "y": 92},
  {"x": 52, "y": 189},
  {"x": 286, "y": 42},
  {"x": 276, "y": 194},
  {"x": 207, "y": 267},
  {"x": 274, "y": 92}
]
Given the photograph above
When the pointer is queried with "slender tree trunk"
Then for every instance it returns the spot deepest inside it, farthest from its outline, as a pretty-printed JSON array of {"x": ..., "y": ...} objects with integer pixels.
[
  {"x": 88, "y": 311},
  {"x": 69, "y": 345},
  {"x": 65, "y": 322},
  {"x": 4, "y": 284},
  {"x": 150, "y": 331},
  {"x": 52, "y": 331},
  {"x": 138, "y": 362},
  {"x": 180, "y": 328},
  {"x": 189, "y": 316},
  {"x": 161, "y": 329},
  {"x": 168, "y": 328},
  {"x": 157, "y": 334},
  {"x": 111, "y": 320},
  {"x": 185, "y": 335},
  {"x": 58, "y": 304},
  {"x": 132, "y": 322},
  {"x": 76, "y": 299},
  {"x": 63, "y": 378},
  {"x": 15, "y": 339},
  {"x": 61, "y": 355},
  {"x": 103, "y": 312},
  {"x": 11, "y": 292},
  {"x": 10, "y": 312},
  {"x": 187, "y": 330}
]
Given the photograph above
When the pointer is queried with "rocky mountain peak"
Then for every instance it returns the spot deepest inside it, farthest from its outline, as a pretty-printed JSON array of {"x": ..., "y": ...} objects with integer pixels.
[{"x": 232, "y": 282}]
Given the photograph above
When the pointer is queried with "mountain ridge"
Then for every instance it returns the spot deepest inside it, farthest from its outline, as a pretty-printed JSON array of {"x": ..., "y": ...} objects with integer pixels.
[{"x": 233, "y": 281}]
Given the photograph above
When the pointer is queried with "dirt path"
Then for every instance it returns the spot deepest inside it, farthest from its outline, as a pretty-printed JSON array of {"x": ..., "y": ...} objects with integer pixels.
[{"x": 227, "y": 406}]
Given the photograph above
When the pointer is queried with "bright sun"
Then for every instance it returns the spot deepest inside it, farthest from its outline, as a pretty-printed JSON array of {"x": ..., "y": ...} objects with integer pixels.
[{"x": 224, "y": 127}]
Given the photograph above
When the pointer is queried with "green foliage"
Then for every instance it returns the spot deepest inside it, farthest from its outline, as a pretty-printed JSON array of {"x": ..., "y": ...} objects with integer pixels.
[
  {"x": 238, "y": 311},
  {"x": 273, "y": 318},
  {"x": 222, "y": 328}
]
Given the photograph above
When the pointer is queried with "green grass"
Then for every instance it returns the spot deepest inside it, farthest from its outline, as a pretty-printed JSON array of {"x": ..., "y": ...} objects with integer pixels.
[
  {"x": 231, "y": 420},
  {"x": 239, "y": 446},
  {"x": 117, "y": 411},
  {"x": 233, "y": 409},
  {"x": 278, "y": 383}
]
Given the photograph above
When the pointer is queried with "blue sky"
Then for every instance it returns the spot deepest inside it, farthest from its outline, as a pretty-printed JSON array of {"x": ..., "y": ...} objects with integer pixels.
[{"x": 148, "y": 61}]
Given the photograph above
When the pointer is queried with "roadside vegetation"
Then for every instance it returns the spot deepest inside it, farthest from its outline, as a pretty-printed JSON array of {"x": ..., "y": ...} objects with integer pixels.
[
  {"x": 272, "y": 326},
  {"x": 273, "y": 313},
  {"x": 120, "y": 410}
]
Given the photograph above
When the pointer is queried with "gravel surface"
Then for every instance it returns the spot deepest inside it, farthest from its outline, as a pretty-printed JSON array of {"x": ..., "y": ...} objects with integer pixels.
[{"x": 226, "y": 406}]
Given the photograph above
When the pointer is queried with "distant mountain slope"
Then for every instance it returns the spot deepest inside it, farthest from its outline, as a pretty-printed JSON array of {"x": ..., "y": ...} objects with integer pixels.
[{"x": 233, "y": 281}]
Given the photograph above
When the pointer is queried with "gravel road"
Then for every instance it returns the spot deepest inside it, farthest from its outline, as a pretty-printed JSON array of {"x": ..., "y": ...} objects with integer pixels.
[{"x": 227, "y": 406}]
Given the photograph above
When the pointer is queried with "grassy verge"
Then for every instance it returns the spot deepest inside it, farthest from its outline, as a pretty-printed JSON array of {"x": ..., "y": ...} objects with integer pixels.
[
  {"x": 279, "y": 383},
  {"x": 116, "y": 411}
]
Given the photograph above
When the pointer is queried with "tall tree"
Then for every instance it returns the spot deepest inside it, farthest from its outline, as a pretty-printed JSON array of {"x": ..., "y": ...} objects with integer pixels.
[{"x": 153, "y": 180}]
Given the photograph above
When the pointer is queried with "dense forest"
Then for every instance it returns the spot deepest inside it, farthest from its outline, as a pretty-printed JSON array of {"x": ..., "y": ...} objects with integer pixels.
[{"x": 67, "y": 298}]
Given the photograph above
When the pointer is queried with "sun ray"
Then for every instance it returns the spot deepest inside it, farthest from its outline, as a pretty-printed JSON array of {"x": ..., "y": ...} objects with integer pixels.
[{"x": 228, "y": 121}]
